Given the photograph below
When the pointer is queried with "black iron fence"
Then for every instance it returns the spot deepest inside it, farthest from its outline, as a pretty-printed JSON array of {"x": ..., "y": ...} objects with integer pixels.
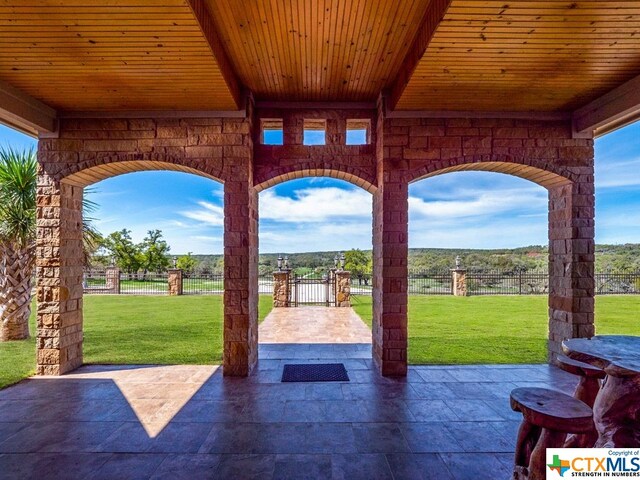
[
  {"x": 485, "y": 282},
  {"x": 507, "y": 283},
  {"x": 617, "y": 283},
  {"x": 421, "y": 282},
  {"x": 154, "y": 283},
  {"x": 430, "y": 282}
]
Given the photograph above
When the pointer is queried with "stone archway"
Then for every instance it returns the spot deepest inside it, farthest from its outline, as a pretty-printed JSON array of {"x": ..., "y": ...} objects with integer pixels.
[
  {"x": 570, "y": 227},
  {"x": 400, "y": 150},
  {"x": 89, "y": 150}
]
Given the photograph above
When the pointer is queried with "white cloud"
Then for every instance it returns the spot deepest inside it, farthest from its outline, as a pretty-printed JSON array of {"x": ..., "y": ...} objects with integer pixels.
[
  {"x": 315, "y": 205},
  {"x": 209, "y": 213},
  {"x": 308, "y": 237},
  {"x": 472, "y": 203},
  {"x": 499, "y": 233},
  {"x": 617, "y": 174}
]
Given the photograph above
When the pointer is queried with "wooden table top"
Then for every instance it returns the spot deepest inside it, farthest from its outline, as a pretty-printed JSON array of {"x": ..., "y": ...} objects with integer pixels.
[{"x": 617, "y": 355}]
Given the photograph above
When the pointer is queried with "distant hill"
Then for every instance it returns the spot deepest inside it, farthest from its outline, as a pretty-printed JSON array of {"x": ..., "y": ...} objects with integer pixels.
[{"x": 608, "y": 257}]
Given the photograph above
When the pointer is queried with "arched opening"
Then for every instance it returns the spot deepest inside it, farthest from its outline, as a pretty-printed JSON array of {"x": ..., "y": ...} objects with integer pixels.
[
  {"x": 60, "y": 269},
  {"x": 483, "y": 263},
  {"x": 316, "y": 260},
  {"x": 153, "y": 291},
  {"x": 617, "y": 263}
]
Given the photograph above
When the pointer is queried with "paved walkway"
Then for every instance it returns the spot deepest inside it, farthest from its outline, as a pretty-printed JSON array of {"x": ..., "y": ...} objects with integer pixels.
[
  {"x": 172, "y": 422},
  {"x": 313, "y": 325}
]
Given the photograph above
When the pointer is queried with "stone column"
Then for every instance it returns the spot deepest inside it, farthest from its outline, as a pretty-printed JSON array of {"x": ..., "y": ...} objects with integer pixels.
[
  {"x": 343, "y": 288},
  {"x": 174, "y": 279},
  {"x": 281, "y": 288},
  {"x": 59, "y": 270},
  {"x": 112, "y": 279},
  {"x": 241, "y": 270},
  {"x": 390, "y": 250},
  {"x": 459, "y": 276},
  {"x": 571, "y": 262}
]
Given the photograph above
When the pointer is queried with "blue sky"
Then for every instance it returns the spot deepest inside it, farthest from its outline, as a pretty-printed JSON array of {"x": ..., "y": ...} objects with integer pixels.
[{"x": 457, "y": 210}]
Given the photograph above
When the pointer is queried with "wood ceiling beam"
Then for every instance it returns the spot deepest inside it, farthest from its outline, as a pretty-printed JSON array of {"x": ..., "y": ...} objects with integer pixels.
[
  {"x": 432, "y": 18},
  {"x": 203, "y": 16},
  {"x": 25, "y": 113},
  {"x": 613, "y": 110}
]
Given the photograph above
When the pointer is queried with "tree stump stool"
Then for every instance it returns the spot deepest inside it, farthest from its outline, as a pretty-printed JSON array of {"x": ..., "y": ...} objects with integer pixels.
[
  {"x": 548, "y": 416},
  {"x": 586, "y": 391}
]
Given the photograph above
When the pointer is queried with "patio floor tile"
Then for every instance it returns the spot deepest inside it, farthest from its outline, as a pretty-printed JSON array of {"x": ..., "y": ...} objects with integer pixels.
[{"x": 162, "y": 422}]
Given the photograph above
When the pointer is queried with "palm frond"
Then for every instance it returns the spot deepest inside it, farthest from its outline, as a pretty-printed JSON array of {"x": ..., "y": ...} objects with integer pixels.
[
  {"x": 18, "y": 181},
  {"x": 91, "y": 237}
]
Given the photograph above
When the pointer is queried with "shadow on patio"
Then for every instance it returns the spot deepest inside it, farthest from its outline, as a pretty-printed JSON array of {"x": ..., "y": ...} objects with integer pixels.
[{"x": 191, "y": 422}]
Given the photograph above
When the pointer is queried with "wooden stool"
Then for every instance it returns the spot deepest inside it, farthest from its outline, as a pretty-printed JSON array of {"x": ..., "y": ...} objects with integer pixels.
[
  {"x": 590, "y": 376},
  {"x": 548, "y": 416},
  {"x": 586, "y": 391}
]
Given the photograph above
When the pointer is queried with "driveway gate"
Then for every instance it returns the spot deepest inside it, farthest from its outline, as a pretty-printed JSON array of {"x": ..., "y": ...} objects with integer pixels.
[{"x": 313, "y": 289}]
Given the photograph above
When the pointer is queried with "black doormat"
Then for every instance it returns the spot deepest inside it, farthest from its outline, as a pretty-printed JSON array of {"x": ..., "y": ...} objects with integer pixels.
[{"x": 315, "y": 372}]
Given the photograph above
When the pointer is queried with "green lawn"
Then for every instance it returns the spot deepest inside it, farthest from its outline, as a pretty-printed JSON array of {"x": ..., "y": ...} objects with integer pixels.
[
  {"x": 494, "y": 329},
  {"x": 185, "y": 329},
  {"x": 442, "y": 329}
]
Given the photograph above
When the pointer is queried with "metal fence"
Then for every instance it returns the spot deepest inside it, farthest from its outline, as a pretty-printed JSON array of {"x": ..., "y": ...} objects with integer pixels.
[
  {"x": 507, "y": 283},
  {"x": 430, "y": 282},
  {"x": 422, "y": 282},
  {"x": 617, "y": 283},
  {"x": 203, "y": 284},
  {"x": 484, "y": 282},
  {"x": 153, "y": 283}
]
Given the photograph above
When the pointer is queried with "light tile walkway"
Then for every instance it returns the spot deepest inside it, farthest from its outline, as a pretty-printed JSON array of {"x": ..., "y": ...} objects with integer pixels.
[
  {"x": 171, "y": 422},
  {"x": 313, "y": 325}
]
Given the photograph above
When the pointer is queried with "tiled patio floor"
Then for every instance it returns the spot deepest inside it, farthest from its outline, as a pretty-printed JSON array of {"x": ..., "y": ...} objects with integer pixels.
[
  {"x": 314, "y": 325},
  {"x": 110, "y": 422}
]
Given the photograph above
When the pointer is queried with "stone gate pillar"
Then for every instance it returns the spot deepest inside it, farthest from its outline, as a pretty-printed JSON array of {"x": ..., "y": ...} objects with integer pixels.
[
  {"x": 343, "y": 288},
  {"x": 174, "y": 280},
  {"x": 241, "y": 270},
  {"x": 459, "y": 278},
  {"x": 571, "y": 262},
  {"x": 112, "y": 279},
  {"x": 281, "y": 288},
  {"x": 59, "y": 271},
  {"x": 390, "y": 250}
]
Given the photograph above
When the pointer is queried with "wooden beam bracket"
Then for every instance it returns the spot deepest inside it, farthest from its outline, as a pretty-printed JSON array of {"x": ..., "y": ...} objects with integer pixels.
[
  {"x": 432, "y": 18},
  {"x": 203, "y": 16},
  {"x": 613, "y": 110},
  {"x": 25, "y": 113}
]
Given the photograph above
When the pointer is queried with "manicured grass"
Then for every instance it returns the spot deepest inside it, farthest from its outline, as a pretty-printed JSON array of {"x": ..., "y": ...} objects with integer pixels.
[
  {"x": 494, "y": 329},
  {"x": 137, "y": 329},
  {"x": 18, "y": 359},
  {"x": 442, "y": 329}
]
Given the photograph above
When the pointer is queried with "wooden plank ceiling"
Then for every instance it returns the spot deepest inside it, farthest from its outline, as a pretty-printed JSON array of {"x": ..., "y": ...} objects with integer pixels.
[
  {"x": 486, "y": 55},
  {"x": 323, "y": 50},
  {"x": 514, "y": 55},
  {"x": 110, "y": 55}
]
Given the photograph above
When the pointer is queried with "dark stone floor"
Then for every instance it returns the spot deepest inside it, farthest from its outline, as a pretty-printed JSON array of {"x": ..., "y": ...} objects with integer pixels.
[{"x": 140, "y": 422}]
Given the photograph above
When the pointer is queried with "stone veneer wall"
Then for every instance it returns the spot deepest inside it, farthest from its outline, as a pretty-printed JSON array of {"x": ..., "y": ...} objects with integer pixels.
[
  {"x": 89, "y": 150},
  {"x": 459, "y": 279},
  {"x": 343, "y": 288},
  {"x": 402, "y": 150},
  {"x": 278, "y": 163},
  {"x": 112, "y": 279},
  {"x": 281, "y": 289},
  {"x": 541, "y": 151},
  {"x": 174, "y": 281}
]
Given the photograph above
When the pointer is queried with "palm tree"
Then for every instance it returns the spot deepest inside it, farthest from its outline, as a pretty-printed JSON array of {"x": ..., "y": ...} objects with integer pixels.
[{"x": 18, "y": 180}]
